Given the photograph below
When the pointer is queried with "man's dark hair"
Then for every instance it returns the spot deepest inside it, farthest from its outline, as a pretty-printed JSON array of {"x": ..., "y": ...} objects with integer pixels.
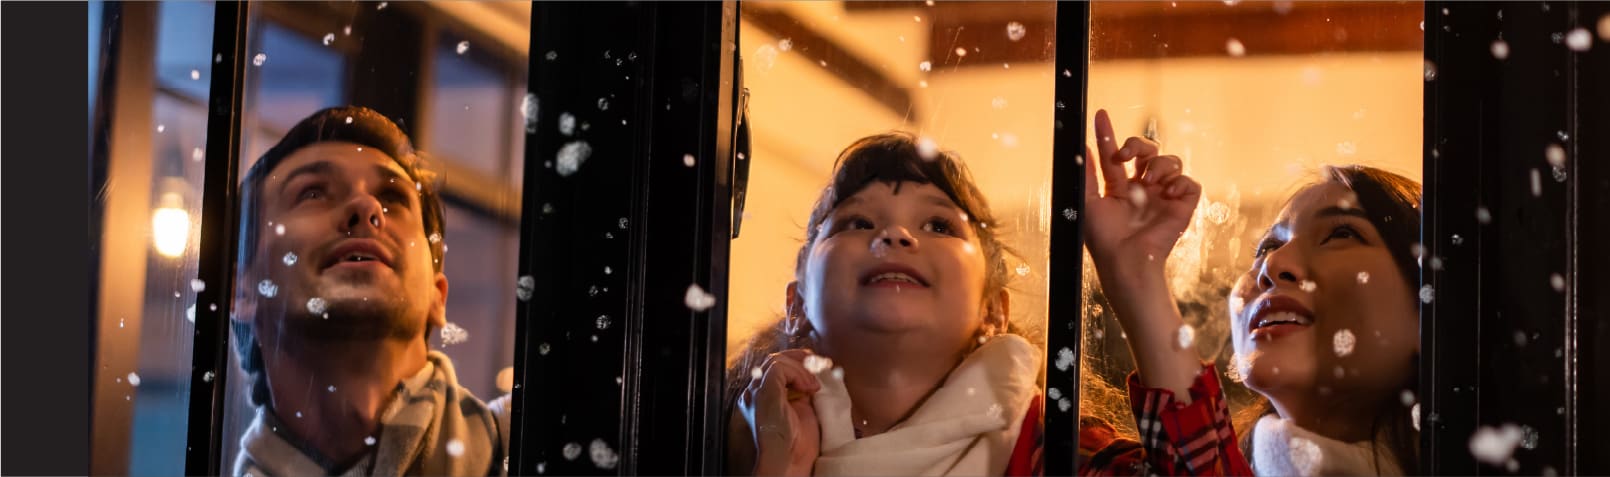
[{"x": 353, "y": 124}]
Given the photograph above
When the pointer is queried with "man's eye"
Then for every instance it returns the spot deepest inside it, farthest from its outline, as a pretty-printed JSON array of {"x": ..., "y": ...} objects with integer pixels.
[
  {"x": 939, "y": 226},
  {"x": 311, "y": 193}
]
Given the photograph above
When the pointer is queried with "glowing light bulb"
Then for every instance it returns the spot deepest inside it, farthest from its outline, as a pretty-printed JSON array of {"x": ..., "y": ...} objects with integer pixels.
[{"x": 170, "y": 226}]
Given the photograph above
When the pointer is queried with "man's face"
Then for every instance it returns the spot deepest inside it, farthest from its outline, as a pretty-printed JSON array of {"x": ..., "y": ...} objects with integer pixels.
[{"x": 344, "y": 244}]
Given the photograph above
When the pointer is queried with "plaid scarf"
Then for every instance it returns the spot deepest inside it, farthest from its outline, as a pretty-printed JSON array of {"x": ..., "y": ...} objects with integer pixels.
[{"x": 430, "y": 420}]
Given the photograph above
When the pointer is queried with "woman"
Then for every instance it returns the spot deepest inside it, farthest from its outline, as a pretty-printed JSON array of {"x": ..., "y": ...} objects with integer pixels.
[
  {"x": 1324, "y": 324},
  {"x": 896, "y": 356}
]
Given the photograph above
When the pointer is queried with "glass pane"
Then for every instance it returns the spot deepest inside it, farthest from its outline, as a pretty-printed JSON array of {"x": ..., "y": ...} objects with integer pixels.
[
  {"x": 184, "y": 51},
  {"x": 1254, "y": 98},
  {"x": 469, "y": 112},
  {"x": 150, "y": 209},
  {"x": 974, "y": 79},
  {"x": 350, "y": 313}
]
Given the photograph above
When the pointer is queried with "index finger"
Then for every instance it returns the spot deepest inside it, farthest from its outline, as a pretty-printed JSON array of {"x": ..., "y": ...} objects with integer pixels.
[{"x": 1112, "y": 173}]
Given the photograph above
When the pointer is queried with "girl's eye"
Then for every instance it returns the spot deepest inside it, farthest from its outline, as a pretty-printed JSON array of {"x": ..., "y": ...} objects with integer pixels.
[
  {"x": 1266, "y": 246},
  {"x": 859, "y": 223},
  {"x": 939, "y": 226}
]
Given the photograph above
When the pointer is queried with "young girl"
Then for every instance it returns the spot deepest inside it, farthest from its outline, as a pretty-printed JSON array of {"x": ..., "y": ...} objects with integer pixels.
[
  {"x": 896, "y": 356},
  {"x": 1324, "y": 325}
]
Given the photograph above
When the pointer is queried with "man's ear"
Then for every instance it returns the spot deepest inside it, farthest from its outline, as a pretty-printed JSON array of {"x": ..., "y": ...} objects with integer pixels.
[{"x": 438, "y": 309}]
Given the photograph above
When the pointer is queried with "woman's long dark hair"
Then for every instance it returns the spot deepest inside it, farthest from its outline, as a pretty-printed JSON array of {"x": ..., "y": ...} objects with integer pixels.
[{"x": 1392, "y": 204}]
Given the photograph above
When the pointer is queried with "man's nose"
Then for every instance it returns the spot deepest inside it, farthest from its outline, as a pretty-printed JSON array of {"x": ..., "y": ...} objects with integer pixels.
[{"x": 365, "y": 214}]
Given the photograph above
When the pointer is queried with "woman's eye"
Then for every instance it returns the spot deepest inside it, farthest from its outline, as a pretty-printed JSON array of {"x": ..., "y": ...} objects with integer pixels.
[
  {"x": 1266, "y": 246},
  {"x": 859, "y": 223},
  {"x": 939, "y": 226},
  {"x": 1342, "y": 232}
]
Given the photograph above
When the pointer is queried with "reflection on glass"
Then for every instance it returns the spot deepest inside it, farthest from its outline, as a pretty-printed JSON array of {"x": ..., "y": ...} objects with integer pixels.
[
  {"x": 1295, "y": 280},
  {"x": 917, "y": 92},
  {"x": 350, "y": 353}
]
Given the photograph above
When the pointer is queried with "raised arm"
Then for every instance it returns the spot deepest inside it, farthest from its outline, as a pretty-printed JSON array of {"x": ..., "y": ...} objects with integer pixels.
[{"x": 1130, "y": 228}]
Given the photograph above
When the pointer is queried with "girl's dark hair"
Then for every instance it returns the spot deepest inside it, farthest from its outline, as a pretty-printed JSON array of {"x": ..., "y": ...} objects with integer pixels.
[
  {"x": 354, "y": 124},
  {"x": 1391, "y": 203},
  {"x": 890, "y": 158}
]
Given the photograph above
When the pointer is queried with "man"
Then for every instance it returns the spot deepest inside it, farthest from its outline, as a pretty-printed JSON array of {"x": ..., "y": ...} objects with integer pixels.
[{"x": 340, "y": 283}]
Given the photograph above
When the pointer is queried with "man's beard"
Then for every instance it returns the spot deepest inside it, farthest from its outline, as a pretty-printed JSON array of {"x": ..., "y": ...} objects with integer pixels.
[{"x": 353, "y": 319}]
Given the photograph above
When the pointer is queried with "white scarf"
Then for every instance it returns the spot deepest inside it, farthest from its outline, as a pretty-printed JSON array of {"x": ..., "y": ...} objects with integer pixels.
[
  {"x": 1279, "y": 447},
  {"x": 967, "y": 427}
]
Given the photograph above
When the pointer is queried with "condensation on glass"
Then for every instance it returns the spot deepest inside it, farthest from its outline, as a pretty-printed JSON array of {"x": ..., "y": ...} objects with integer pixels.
[
  {"x": 451, "y": 75},
  {"x": 975, "y": 78},
  {"x": 1254, "y": 97}
]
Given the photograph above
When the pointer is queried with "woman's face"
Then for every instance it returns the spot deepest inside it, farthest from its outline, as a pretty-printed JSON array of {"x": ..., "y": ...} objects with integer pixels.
[
  {"x": 905, "y": 266},
  {"x": 1324, "y": 311}
]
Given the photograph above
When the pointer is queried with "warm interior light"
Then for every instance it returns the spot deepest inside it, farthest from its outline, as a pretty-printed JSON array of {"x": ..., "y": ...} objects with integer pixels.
[{"x": 170, "y": 225}]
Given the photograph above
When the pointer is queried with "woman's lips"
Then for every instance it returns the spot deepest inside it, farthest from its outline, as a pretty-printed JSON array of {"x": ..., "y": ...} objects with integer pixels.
[{"x": 1276, "y": 331}]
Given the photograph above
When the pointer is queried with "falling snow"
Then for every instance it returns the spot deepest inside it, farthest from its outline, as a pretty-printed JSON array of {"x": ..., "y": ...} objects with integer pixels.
[
  {"x": 279, "y": 230},
  {"x": 927, "y": 148},
  {"x": 1578, "y": 39},
  {"x": 1431, "y": 71},
  {"x": 267, "y": 288},
  {"x": 567, "y": 124},
  {"x": 190, "y": 314},
  {"x": 1500, "y": 49},
  {"x": 1070, "y": 214},
  {"x": 1342, "y": 343},
  {"x": 1427, "y": 294},
  {"x": 289, "y": 258},
  {"x": 572, "y": 451},
  {"x": 1235, "y": 48},
  {"x": 755, "y": 373},
  {"x": 315, "y": 305},
  {"x": 998, "y": 103},
  {"x": 697, "y": 299},
  {"x": 1557, "y": 282},
  {"x": 1414, "y": 415},
  {"x": 207, "y": 377},
  {"x": 1185, "y": 336},
  {"x": 603, "y": 322},
  {"x": 259, "y": 59},
  {"x": 543, "y": 349},
  {"x": 1053, "y": 393},
  {"x": 785, "y": 44},
  {"x": 524, "y": 286},
  {"x": 1495, "y": 445},
  {"x": 1022, "y": 269},
  {"x": 1015, "y": 31},
  {"x": 817, "y": 363},
  {"x": 1065, "y": 359},
  {"x": 688, "y": 160},
  {"x": 1483, "y": 216},
  {"x": 369, "y": 441},
  {"x": 1308, "y": 286},
  {"x": 134, "y": 380},
  {"x": 571, "y": 157},
  {"x": 1363, "y": 277},
  {"x": 453, "y": 334},
  {"x": 529, "y": 112},
  {"x": 602, "y": 455},
  {"x": 925, "y": 66},
  {"x": 1064, "y": 404},
  {"x": 766, "y": 56},
  {"x": 455, "y": 447},
  {"x": 463, "y": 47},
  {"x": 329, "y": 38},
  {"x": 1555, "y": 155}
]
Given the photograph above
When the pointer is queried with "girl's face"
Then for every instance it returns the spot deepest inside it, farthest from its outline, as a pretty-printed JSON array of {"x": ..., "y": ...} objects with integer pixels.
[
  {"x": 906, "y": 266},
  {"x": 1324, "y": 311}
]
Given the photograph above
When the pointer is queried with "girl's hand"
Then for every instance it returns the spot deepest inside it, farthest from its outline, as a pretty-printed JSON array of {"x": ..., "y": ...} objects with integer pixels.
[
  {"x": 779, "y": 409},
  {"x": 1135, "y": 220}
]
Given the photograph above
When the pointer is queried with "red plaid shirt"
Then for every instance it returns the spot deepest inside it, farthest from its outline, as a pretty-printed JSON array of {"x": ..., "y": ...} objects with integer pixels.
[{"x": 1175, "y": 439}]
